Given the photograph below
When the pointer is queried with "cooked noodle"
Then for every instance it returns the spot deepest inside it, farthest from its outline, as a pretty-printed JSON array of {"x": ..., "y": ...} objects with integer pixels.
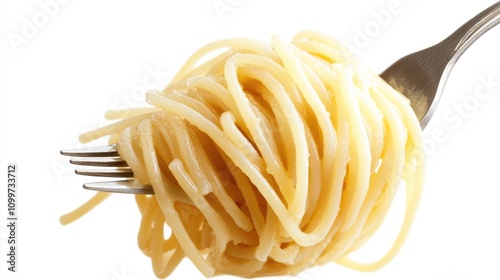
[{"x": 269, "y": 158}]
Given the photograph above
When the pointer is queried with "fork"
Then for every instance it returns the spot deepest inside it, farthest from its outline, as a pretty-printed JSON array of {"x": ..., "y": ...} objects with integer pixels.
[
  {"x": 112, "y": 165},
  {"x": 420, "y": 76}
]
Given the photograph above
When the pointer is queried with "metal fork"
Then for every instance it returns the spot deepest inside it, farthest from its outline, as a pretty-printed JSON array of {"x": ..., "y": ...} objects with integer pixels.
[
  {"x": 420, "y": 76},
  {"x": 112, "y": 165}
]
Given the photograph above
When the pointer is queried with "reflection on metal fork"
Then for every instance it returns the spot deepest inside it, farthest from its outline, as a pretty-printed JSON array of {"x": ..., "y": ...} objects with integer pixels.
[
  {"x": 110, "y": 165},
  {"x": 129, "y": 186},
  {"x": 421, "y": 76}
]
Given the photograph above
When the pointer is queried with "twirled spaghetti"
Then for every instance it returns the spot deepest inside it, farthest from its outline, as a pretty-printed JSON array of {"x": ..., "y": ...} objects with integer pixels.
[{"x": 269, "y": 158}]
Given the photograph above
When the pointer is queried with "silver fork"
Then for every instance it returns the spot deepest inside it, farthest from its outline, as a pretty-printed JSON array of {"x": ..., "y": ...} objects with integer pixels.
[
  {"x": 420, "y": 76},
  {"x": 112, "y": 165}
]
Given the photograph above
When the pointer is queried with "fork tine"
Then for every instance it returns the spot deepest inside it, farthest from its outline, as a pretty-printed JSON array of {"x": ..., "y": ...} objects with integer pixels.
[
  {"x": 113, "y": 166},
  {"x": 121, "y": 186},
  {"x": 101, "y": 151},
  {"x": 119, "y": 172},
  {"x": 101, "y": 162}
]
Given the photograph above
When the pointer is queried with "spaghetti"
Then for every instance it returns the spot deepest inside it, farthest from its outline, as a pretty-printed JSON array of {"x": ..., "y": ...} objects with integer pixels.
[{"x": 268, "y": 158}]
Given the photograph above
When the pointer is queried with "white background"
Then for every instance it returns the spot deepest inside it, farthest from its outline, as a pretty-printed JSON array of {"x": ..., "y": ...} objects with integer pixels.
[{"x": 81, "y": 58}]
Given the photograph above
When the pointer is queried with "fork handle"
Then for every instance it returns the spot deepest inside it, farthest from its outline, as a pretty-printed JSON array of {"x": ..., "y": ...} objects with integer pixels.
[{"x": 459, "y": 41}]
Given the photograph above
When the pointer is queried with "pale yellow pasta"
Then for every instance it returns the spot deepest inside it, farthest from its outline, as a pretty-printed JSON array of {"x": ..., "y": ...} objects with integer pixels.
[{"x": 269, "y": 158}]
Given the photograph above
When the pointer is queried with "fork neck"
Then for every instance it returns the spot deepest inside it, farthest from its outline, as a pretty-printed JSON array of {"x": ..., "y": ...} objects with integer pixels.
[{"x": 460, "y": 40}]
